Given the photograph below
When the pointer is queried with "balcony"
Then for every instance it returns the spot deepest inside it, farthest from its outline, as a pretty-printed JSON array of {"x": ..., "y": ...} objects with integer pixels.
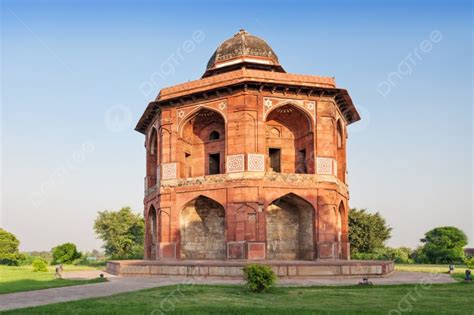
[{"x": 149, "y": 190}]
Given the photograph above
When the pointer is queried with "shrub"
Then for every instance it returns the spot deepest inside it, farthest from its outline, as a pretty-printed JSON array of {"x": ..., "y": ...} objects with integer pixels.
[
  {"x": 469, "y": 262},
  {"x": 65, "y": 254},
  {"x": 259, "y": 277},
  {"x": 39, "y": 264},
  {"x": 419, "y": 256},
  {"x": 398, "y": 255}
]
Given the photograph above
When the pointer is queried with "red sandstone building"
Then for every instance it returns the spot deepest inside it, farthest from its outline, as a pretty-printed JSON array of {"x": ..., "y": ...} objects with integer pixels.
[{"x": 248, "y": 162}]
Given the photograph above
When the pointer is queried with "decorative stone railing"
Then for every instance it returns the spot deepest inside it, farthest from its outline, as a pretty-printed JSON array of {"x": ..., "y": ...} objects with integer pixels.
[{"x": 307, "y": 179}]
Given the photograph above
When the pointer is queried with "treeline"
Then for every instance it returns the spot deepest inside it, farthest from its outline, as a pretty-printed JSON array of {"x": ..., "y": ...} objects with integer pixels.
[{"x": 369, "y": 232}]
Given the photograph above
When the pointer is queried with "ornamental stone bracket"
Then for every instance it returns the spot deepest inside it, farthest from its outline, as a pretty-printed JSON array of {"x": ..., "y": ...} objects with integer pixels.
[{"x": 169, "y": 171}]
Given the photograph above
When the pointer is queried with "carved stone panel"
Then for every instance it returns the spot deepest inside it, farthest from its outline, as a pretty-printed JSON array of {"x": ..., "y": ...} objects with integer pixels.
[
  {"x": 256, "y": 162},
  {"x": 235, "y": 163},
  {"x": 169, "y": 170}
]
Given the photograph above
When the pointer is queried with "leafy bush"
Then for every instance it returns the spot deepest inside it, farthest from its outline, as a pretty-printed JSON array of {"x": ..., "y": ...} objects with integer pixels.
[
  {"x": 419, "y": 256},
  {"x": 398, "y": 255},
  {"x": 65, "y": 254},
  {"x": 469, "y": 262},
  {"x": 10, "y": 259},
  {"x": 444, "y": 245},
  {"x": 39, "y": 264},
  {"x": 47, "y": 255},
  {"x": 259, "y": 277}
]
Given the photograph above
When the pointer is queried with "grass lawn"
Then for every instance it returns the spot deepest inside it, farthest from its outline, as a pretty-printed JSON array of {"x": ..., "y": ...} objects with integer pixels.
[
  {"x": 430, "y": 268},
  {"x": 459, "y": 270},
  {"x": 456, "y": 298},
  {"x": 23, "y": 278}
]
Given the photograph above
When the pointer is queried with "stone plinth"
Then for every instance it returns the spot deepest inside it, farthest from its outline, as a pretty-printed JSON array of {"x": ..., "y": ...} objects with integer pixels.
[{"x": 234, "y": 269}]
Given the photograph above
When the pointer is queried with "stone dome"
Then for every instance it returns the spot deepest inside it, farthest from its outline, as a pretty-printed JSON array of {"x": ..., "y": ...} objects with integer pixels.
[{"x": 243, "y": 48}]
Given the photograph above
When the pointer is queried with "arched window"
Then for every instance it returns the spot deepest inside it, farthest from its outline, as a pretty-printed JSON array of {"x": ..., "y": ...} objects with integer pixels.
[
  {"x": 203, "y": 144},
  {"x": 214, "y": 135},
  {"x": 289, "y": 140},
  {"x": 340, "y": 139},
  {"x": 152, "y": 159}
]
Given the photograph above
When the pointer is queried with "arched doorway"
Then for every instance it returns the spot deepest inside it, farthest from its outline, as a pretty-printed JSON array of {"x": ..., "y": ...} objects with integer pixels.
[
  {"x": 339, "y": 218},
  {"x": 202, "y": 234},
  {"x": 152, "y": 159},
  {"x": 152, "y": 230},
  {"x": 289, "y": 229},
  {"x": 203, "y": 144},
  {"x": 289, "y": 140}
]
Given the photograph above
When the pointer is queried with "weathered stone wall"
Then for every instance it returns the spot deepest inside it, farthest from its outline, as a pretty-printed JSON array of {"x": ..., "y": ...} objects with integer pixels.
[
  {"x": 289, "y": 224},
  {"x": 203, "y": 230}
]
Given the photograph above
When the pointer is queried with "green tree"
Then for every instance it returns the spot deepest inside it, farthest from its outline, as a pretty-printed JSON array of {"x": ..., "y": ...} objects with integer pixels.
[
  {"x": 122, "y": 232},
  {"x": 367, "y": 231},
  {"x": 9, "y": 245},
  {"x": 65, "y": 253},
  {"x": 444, "y": 245}
]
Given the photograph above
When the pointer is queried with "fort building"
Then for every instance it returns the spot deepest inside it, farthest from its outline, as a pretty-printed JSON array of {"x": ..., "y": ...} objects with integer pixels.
[{"x": 248, "y": 162}]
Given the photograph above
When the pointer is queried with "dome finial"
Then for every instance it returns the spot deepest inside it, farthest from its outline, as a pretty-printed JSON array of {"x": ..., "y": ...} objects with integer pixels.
[{"x": 241, "y": 31}]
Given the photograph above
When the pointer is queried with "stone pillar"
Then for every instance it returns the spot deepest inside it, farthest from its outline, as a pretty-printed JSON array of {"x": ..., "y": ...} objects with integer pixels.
[{"x": 327, "y": 245}]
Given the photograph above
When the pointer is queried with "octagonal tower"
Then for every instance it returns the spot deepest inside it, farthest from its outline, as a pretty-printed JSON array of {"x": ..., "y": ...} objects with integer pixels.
[{"x": 248, "y": 162}]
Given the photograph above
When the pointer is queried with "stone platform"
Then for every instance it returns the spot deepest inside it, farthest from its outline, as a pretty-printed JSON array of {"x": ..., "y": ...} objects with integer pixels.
[{"x": 227, "y": 269}]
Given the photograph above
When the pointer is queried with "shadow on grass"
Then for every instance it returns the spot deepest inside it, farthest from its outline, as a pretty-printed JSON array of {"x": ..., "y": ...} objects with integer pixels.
[{"x": 31, "y": 285}]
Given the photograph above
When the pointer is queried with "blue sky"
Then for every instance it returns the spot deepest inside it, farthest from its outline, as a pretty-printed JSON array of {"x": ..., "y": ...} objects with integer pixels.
[{"x": 73, "y": 85}]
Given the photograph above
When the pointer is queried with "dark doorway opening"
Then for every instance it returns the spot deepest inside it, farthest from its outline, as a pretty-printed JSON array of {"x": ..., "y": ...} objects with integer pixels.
[
  {"x": 275, "y": 159},
  {"x": 214, "y": 164},
  {"x": 301, "y": 162}
]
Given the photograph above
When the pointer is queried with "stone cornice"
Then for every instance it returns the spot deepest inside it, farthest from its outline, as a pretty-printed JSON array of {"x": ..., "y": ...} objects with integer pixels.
[{"x": 246, "y": 79}]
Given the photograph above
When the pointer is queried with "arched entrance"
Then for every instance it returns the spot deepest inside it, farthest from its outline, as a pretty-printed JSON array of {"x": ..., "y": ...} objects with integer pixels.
[
  {"x": 339, "y": 216},
  {"x": 202, "y": 224},
  {"x": 152, "y": 230},
  {"x": 289, "y": 141},
  {"x": 289, "y": 228},
  {"x": 203, "y": 144}
]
